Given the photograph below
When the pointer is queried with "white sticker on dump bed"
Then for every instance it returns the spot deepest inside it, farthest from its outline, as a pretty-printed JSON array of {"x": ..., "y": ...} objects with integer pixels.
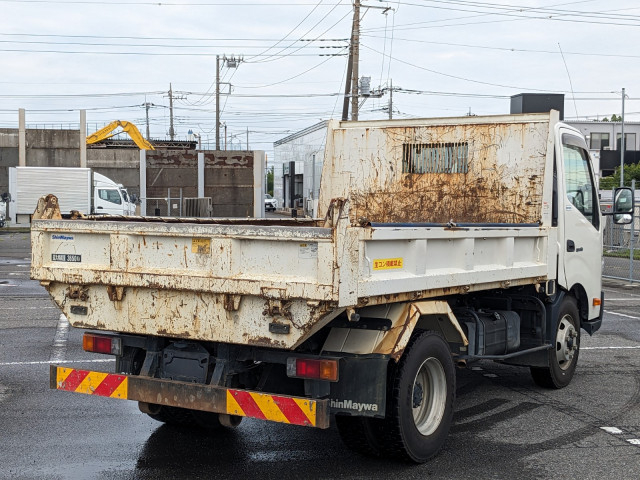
[{"x": 308, "y": 250}]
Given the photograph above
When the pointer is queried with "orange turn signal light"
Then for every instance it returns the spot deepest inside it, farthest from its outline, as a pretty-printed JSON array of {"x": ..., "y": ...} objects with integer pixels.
[{"x": 597, "y": 302}]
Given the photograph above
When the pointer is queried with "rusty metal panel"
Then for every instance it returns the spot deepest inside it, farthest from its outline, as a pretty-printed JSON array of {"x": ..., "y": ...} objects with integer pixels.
[
  {"x": 171, "y": 312},
  {"x": 225, "y": 283},
  {"x": 502, "y": 181}
]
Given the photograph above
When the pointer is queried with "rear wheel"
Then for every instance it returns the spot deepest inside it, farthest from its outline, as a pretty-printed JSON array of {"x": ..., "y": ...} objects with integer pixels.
[
  {"x": 563, "y": 358},
  {"x": 420, "y": 399}
]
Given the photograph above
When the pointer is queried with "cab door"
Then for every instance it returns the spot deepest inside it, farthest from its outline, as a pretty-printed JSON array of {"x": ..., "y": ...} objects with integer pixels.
[
  {"x": 582, "y": 248},
  {"x": 108, "y": 201}
]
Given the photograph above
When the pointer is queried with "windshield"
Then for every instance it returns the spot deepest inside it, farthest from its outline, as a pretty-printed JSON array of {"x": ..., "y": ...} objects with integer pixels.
[
  {"x": 112, "y": 196},
  {"x": 124, "y": 195}
]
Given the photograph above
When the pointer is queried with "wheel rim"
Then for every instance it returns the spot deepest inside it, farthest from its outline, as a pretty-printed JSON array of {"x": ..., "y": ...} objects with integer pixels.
[
  {"x": 429, "y": 396},
  {"x": 566, "y": 342}
]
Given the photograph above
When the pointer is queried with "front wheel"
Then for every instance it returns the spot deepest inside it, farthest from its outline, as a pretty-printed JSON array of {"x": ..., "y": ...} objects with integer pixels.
[
  {"x": 420, "y": 399},
  {"x": 563, "y": 357}
]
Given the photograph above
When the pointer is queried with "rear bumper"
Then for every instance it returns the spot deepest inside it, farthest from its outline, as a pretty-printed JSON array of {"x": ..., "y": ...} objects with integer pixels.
[{"x": 208, "y": 398}]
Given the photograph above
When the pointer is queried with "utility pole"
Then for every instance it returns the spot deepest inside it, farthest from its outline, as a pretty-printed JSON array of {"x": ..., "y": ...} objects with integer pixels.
[
  {"x": 391, "y": 100},
  {"x": 355, "y": 74},
  {"x": 622, "y": 145},
  {"x": 229, "y": 62},
  {"x": 218, "y": 102},
  {"x": 347, "y": 82},
  {"x": 147, "y": 105},
  {"x": 172, "y": 132}
]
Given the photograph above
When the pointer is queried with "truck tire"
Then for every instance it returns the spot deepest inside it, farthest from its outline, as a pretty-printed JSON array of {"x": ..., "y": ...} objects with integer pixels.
[
  {"x": 563, "y": 358},
  {"x": 420, "y": 398},
  {"x": 361, "y": 434}
]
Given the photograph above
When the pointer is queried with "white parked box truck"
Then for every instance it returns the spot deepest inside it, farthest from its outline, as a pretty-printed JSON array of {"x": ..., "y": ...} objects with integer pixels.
[
  {"x": 77, "y": 189},
  {"x": 442, "y": 242}
]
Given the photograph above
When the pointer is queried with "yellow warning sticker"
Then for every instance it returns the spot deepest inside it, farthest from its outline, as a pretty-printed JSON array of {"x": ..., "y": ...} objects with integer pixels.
[
  {"x": 387, "y": 263},
  {"x": 201, "y": 245}
]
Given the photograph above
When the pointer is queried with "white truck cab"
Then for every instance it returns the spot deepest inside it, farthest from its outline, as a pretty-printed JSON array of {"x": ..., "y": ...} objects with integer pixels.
[
  {"x": 580, "y": 224},
  {"x": 110, "y": 198}
]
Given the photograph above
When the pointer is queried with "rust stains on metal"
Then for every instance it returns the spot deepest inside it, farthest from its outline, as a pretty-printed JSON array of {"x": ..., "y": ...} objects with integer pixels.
[
  {"x": 47, "y": 208},
  {"x": 501, "y": 183},
  {"x": 265, "y": 342},
  {"x": 78, "y": 292},
  {"x": 116, "y": 294}
]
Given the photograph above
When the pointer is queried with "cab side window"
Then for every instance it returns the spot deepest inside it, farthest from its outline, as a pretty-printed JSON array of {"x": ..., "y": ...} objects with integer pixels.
[
  {"x": 579, "y": 183},
  {"x": 110, "y": 196}
]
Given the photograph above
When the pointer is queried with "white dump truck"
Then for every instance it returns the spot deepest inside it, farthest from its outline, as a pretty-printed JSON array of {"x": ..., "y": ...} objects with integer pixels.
[{"x": 442, "y": 242}]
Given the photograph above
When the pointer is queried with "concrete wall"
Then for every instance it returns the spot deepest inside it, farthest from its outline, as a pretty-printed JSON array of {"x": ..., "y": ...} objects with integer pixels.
[
  {"x": 44, "y": 148},
  {"x": 53, "y": 148},
  {"x": 229, "y": 175},
  {"x": 228, "y": 180},
  {"x": 122, "y": 165}
]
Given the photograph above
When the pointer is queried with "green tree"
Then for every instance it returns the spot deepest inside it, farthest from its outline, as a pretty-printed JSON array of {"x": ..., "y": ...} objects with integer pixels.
[
  {"x": 631, "y": 172},
  {"x": 270, "y": 181},
  {"x": 616, "y": 118}
]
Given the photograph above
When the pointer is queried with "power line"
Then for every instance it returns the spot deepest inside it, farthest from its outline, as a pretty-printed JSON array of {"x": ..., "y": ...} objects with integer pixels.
[
  {"x": 158, "y": 54},
  {"x": 292, "y": 30},
  {"x": 509, "y": 49},
  {"x": 191, "y": 39}
]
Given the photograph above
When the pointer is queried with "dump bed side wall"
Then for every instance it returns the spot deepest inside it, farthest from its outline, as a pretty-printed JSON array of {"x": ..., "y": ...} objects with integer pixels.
[{"x": 496, "y": 175}]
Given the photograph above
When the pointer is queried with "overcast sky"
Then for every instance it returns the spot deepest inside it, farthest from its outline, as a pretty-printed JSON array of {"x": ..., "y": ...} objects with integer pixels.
[{"x": 444, "y": 58}]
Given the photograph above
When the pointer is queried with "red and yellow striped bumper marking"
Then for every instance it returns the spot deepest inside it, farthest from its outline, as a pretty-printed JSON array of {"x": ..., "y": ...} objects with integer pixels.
[
  {"x": 92, "y": 383},
  {"x": 295, "y": 411}
]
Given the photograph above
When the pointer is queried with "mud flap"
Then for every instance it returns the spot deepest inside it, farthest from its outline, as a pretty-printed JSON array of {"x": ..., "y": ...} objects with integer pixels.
[{"x": 361, "y": 390}]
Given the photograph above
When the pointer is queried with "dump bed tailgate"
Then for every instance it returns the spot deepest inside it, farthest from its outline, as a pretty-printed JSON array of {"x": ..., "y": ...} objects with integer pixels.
[{"x": 236, "y": 283}]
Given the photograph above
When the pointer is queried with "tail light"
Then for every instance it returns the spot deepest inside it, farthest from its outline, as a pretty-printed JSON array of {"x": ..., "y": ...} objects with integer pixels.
[
  {"x": 313, "y": 368},
  {"x": 101, "y": 344}
]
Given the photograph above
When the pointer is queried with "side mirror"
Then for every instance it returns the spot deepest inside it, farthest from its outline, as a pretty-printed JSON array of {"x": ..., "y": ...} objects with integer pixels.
[{"x": 623, "y": 206}]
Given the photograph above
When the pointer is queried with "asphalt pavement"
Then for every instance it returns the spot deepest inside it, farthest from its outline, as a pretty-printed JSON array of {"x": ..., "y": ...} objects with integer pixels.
[{"x": 505, "y": 427}]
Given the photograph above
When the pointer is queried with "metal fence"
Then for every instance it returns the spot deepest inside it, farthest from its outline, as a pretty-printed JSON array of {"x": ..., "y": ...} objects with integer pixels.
[
  {"x": 169, "y": 206},
  {"x": 621, "y": 259}
]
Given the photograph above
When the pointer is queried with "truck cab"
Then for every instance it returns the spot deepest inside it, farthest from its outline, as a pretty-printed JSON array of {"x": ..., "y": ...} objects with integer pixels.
[{"x": 110, "y": 198}]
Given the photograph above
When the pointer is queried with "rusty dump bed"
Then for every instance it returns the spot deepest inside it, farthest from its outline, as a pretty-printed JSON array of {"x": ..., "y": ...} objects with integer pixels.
[{"x": 410, "y": 210}]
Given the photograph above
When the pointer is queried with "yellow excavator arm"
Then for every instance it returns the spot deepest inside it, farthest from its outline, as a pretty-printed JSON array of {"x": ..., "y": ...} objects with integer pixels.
[{"x": 128, "y": 127}]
